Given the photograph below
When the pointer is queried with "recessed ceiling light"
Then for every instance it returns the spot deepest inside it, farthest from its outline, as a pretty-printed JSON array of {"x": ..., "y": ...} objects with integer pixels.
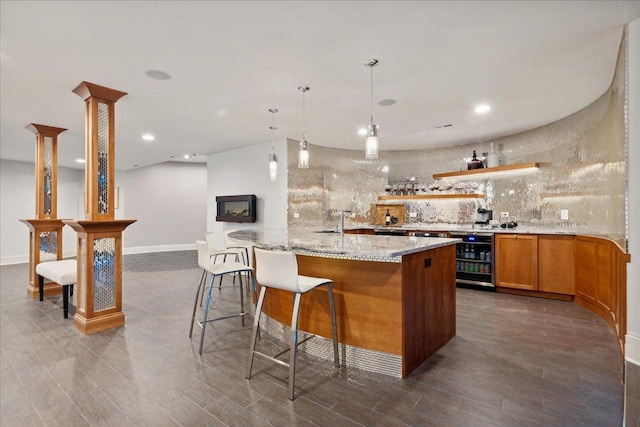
[
  {"x": 80, "y": 161},
  {"x": 188, "y": 156},
  {"x": 148, "y": 137},
  {"x": 483, "y": 108},
  {"x": 157, "y": 75},
  {"x": 362, "y": 131}
]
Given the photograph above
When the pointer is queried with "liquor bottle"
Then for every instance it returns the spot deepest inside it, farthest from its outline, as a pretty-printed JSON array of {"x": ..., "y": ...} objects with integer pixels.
[
  {"x": 473, "y": 253},
  {"x": 387, "y": 218},
  {"x": 466, "y": 252}
]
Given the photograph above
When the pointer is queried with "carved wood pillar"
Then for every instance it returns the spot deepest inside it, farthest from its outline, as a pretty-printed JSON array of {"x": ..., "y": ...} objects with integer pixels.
[
  {"x": 45, "y": 231},
  {"x": 99, "y": 235}
]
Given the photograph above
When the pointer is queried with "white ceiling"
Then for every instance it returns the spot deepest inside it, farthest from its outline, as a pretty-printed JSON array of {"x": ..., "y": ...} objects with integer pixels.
[{"x": 534, "y": 62}]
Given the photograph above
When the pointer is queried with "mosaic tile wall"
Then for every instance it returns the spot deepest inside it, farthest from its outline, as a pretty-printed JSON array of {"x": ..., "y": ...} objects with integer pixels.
[{"x": 582, "y": 169}]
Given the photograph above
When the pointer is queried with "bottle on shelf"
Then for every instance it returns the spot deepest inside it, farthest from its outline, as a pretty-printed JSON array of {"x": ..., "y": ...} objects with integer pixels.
[
  {"x": 387, "y": 218},
  {"x": 473, "y": 252},
  {"x": 466, "y": 252}
]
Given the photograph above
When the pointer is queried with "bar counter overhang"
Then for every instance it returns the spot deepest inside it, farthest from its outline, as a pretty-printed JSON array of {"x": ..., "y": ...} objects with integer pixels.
[{"x": 395, "y": 297}]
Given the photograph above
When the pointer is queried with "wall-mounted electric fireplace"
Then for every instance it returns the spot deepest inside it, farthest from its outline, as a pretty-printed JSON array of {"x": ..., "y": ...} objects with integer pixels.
[{"x": 236, "y": 208}]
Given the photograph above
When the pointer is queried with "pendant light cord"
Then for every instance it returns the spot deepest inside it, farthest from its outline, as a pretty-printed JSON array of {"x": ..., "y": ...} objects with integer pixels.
[
  {"x": 371, "y": 94},
  {"x": 273, "y": 128}
]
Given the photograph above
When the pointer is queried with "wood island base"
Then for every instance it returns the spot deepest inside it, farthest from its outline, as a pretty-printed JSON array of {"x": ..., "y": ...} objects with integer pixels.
[{"x": 405, "y": 310}]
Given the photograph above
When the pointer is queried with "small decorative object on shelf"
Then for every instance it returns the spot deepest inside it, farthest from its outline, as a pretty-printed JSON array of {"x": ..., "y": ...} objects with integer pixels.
[
  {"x": 410, "y": 186},
  {"x": 533, "y": 165},
  {"x": 475, "y": 163}
]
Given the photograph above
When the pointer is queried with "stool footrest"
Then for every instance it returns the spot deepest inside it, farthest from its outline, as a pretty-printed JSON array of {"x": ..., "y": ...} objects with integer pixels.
[
  {"x": 272, "y": 358},
  {"x": 288, "y": 349},
  {"x": 223, "y": 318}
]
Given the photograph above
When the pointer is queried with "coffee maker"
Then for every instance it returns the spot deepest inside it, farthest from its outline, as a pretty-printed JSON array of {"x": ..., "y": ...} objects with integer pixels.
[{"x": 484, "y": 216}]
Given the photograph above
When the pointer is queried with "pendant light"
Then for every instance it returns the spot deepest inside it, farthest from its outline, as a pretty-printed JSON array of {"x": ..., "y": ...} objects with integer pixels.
[
  {"x": 303, "y": 154},
  {"x": 371, "y": 143},
  {"x": 273, "y": 157}
]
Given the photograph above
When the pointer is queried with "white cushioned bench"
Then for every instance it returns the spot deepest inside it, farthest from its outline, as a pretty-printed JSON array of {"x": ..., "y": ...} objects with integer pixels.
[{"x": 64, "y": 273}]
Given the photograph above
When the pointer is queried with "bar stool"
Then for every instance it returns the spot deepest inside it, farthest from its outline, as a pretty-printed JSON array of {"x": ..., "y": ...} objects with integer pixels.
[
  {"x": 215, "y": 253},
  {"x": 221, "y": 269},
  {"x": 232, "y": 244},
  {"x": 278, "y": 269}
]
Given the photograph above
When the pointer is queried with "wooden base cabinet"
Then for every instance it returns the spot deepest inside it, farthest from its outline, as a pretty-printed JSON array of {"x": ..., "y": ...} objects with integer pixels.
[
  {"x": 516, "y": 261},
  {"x": 543, "y": 263},
  {"x": 601, "y": 285},
  {"x": 556, "y": 271}
]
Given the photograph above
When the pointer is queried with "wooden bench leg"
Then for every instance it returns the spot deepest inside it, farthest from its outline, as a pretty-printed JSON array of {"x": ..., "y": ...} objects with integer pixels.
[
  {"x": 41, "y": 287},
  {"x": 65, "y": 300}
]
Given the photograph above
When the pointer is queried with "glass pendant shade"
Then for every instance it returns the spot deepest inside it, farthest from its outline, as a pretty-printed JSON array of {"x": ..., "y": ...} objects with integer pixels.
[
  {"x": 273, "y": 166},
  {"x": 371, "y": 143},
  {"x": 273, "y": 157},
  {"x": 303, "y": 155}
]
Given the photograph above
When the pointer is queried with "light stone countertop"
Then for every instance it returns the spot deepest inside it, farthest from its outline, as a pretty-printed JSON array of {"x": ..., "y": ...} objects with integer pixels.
[
  {"x": 522, "y": 228},
  {"x": 347, "y": 246}
]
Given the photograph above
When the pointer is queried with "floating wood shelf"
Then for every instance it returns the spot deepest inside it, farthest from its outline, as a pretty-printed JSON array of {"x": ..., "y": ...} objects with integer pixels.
[
  {"x": 432, "y": 196},
  {"x": 485, "y": 170}
]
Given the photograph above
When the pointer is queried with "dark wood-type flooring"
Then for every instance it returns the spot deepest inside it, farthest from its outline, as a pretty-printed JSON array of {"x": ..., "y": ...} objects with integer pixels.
[{"x": 516, "y": 361}]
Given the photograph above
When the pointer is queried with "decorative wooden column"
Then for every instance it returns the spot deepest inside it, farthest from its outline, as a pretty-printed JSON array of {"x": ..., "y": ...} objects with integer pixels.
[
  {"x": 45, "y": 231},
  {"x": 99, "y": 235}
]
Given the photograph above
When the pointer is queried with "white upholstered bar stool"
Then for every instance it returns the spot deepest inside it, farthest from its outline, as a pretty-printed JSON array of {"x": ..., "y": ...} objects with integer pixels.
[
  {"x": 278, "y": 269},
  {"x": 216, "y": 270}
]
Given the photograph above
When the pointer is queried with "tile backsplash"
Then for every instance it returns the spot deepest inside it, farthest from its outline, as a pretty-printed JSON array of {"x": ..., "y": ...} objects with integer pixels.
[{"x": 582, "y": 169}]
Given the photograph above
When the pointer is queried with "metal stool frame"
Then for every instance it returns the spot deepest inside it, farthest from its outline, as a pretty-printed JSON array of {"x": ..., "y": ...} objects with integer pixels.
[{"x": 293, "y": 350}]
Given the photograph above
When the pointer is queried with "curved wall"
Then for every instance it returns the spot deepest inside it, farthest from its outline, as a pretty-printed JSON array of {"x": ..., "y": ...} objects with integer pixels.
[{"x": 582, "y": 169}]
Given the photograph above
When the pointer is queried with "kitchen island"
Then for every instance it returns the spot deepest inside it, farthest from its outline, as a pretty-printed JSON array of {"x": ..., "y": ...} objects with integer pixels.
[{"x": 395, "y": 296}]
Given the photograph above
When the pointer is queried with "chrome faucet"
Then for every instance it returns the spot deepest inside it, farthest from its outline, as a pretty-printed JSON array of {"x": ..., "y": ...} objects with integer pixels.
[{"x": 342, "y": 212}]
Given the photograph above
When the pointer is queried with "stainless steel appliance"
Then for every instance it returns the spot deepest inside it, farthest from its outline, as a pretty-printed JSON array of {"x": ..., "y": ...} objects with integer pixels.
[
  {"x": 475, "y": 263},
  {"x": 484, "y": 216},
  {"x": 390, "y": 232}
]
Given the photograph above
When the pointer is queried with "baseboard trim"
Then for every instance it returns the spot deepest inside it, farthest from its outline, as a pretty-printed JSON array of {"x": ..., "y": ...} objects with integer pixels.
[
  {"x": 163, "y": 248},
  {"x": 632, "y": 349},
  {"x": 24, "y": 259},
  {"x": 16, "y": 259}
]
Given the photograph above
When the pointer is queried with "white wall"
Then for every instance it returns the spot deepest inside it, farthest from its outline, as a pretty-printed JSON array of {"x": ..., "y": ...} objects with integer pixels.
[
  {"x": 632, "y": 351},
  {"x": 246, "y": 171},
  {"x": 169, "y": 202},
  {"x": 17, "y": 201}
]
